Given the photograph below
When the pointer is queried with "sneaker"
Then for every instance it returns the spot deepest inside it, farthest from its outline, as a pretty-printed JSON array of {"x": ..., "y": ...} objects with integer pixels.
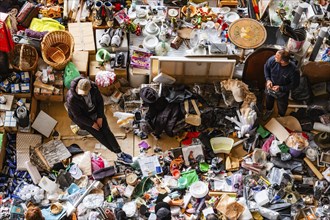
[
  {"x": 125, "y": 158},
  {"x": 267, "y": 114}
]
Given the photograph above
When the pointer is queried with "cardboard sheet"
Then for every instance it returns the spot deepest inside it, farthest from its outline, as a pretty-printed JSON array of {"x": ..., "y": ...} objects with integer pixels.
[
  {"x": 277, "y": 129},
  {"x": 23, "y": 143},
  {"x": 44, "y": 124}
]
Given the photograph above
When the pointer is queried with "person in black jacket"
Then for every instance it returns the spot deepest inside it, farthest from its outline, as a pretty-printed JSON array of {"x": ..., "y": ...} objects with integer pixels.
[
  {"x": 281, "y": 77},
  {"x": 86, "y": 109}
]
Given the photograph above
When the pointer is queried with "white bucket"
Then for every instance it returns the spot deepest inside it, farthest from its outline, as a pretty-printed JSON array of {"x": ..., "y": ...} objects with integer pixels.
[{"x": 295, "y": 46}]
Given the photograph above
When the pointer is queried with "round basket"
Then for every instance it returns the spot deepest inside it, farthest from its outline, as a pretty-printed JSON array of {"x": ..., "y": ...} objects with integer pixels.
[
  {"x": 24, "y": 57},
  {"x": 57, "y": 39}
]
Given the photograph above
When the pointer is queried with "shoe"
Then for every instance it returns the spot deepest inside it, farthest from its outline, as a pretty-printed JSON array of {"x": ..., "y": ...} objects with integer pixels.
[
  {"x": 106, "y": 37},
  {"x": 117, "y": 38},
  {"x": 98, "y": 13},
  {"x": 125, "y": 158},
  {"x": 267, "y": 114},
  {"x": 109, "y": 12},
  {"x": 120, "y": 60}
]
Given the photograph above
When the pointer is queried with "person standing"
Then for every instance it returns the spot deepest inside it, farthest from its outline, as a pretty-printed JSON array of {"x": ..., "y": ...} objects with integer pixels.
[
  {"x": 86, "y": 109},
  {"x": 281, "y": 77}
]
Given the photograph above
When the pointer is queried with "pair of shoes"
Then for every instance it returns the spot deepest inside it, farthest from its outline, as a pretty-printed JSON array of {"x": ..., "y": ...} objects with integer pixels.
[
  {"x": 125, "y": 158},
  {"x": 105, "y": 40},
  {"x": 99, "y": 7},
  {"x": 112, "y": 37},
  {"x": 267, "y": 114}
]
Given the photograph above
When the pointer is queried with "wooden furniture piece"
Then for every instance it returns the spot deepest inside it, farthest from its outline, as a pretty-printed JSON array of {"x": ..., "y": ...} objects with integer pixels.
[
  {"x": 253, "y": 72},
  {"x": 189, "y": 70}
]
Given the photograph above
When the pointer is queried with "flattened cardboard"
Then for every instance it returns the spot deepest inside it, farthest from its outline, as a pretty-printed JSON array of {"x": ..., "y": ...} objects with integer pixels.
[
  {"x": 23, "y": 143},
  {"x": 44, "y": 124},
  {"x": 277, "y": 129},
  {"x": 83, "y": 35},
  {"x": 80, "y": 60}
]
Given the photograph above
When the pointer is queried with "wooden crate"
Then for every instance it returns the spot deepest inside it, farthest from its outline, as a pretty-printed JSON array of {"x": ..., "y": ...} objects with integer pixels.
[{"x": 48, "y": 98}]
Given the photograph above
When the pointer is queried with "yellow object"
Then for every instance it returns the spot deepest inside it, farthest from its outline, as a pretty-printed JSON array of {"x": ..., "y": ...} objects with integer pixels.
[{"x": 45, "y": 24}]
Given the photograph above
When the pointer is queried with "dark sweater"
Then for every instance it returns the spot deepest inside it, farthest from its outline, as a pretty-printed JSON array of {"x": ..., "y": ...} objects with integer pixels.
[
  {"x": 78, "y": 109},
  {"x": 287, "y": 77}
]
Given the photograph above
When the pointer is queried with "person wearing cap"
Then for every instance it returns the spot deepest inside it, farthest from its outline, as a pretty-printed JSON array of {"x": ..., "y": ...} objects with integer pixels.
[
  {"x": 86, "y": 108},
  {"x": 281, "y": 77}
]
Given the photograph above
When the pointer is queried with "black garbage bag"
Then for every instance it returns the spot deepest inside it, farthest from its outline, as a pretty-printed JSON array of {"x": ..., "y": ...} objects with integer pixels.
[{"x": 303, "y": 92}]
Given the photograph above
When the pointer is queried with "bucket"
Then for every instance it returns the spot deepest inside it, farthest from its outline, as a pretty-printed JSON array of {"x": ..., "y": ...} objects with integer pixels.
[
  {"x": 221, "y": 144},
  {"x": 295, "y": 46}
]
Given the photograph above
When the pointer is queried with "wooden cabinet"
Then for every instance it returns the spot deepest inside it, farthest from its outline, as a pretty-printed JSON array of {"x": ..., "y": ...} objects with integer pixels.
[{"x": 188, "y": 70}]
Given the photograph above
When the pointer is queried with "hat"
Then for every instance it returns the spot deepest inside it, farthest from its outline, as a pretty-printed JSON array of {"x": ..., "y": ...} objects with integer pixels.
[
  {"x": 56, "y": 208},
  {"x": 290, "y": 122},
  {"x": 83, "y": 87},
  {"x": 148, "y": 95},
  {"x": 163, "y": 211},
  {"x": 322, "y": 140}
]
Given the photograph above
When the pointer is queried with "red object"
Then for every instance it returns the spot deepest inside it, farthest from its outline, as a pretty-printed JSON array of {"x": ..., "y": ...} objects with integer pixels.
[
  {"x": 189, "y": 137},
  {"x": 6, "y": 40},
  {"x": 117, "y": 7}
]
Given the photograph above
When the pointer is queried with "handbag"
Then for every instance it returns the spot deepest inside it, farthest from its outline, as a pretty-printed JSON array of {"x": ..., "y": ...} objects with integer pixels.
[{"x": 192, "y": 119}]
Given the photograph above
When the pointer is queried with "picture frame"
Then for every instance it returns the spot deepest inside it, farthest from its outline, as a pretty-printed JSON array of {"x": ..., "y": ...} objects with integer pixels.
[{"x": 191, "y": 151}]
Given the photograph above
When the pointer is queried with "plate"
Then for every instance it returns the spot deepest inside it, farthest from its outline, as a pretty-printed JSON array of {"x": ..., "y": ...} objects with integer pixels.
[
  {"x": 199, "y": 189},
  {"x": 230, "y": 17},
  {"x": 224, "y": 10},
  {"x": 173, "y": 12}
]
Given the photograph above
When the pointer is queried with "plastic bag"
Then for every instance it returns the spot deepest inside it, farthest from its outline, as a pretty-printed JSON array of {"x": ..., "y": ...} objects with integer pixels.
[
  {"x": 71, "y": 72},
  {"x": 45, "y": 24}
]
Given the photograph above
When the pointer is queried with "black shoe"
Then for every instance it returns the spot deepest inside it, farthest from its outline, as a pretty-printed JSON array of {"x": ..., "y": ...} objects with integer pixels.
[{"x": 267, "y": 114}]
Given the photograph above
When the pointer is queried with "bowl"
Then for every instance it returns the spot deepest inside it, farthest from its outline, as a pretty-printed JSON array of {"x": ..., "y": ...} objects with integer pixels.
[
  {"x": 221, "y": 145},
  {"x": 150, "y": 42},
  {"x": 199, "y": 189}
]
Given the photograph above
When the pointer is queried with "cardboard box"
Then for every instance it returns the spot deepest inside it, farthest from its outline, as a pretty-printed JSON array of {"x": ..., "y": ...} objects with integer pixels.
[
  {"x": 94, "y": 67},
  {"x": 80, "y": 60},
  {"x": 83, "y": 35},
  {"x": 3, "y": 148},
  {"x": 10, "y": 123}
]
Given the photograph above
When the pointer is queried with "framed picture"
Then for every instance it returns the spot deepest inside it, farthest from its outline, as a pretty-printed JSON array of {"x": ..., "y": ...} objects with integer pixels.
[
  {"x": 173, "y": 12},
  {"x": 191, "y": 153}
]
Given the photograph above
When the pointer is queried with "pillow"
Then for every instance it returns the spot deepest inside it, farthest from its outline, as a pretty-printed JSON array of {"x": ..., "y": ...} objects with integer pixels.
[{"x": 164, "y": 78}]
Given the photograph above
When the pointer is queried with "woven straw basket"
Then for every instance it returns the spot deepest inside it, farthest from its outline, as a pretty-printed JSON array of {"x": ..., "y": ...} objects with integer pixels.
[
  {"x": 24, "y": 57},
  {"x": 61, "y": 40}
]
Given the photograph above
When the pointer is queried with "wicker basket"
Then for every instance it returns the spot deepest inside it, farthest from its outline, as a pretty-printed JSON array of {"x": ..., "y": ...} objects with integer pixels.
[
  {"x": 54, "y": 39},
  {"x": 24, "y": 57}
]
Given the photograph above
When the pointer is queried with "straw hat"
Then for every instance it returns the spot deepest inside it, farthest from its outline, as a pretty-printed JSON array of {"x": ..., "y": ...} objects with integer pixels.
[
  {"x": 56, "y": 208},
  {"x": 322, "y": 140},
  {"x": 290, "y": 122}
]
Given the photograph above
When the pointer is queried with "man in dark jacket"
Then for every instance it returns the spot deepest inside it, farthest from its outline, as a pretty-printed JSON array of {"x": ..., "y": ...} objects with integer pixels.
[
  {"x": 86, "y": 109},
  {"x": 281, "y": 77}
]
